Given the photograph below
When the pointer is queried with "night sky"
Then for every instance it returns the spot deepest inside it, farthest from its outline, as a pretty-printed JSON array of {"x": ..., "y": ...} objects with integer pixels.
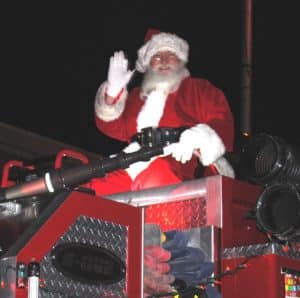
[{"x": 55, "y": 56}]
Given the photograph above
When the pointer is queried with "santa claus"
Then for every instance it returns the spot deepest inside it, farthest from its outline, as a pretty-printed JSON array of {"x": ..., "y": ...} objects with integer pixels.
[{"x": 169, "y": 97}]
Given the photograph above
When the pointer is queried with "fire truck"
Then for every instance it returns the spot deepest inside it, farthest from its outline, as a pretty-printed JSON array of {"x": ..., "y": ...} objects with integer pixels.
[{"x": 58, "y": 239}]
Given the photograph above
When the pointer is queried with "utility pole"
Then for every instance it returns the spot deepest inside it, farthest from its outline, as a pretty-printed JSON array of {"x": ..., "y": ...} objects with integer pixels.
[{"x": 246, "y": 90}]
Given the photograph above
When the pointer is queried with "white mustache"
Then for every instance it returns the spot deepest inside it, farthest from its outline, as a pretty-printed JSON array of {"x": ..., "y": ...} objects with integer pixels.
[
  {"x": 164, "y": 66},
  {"x": 155, "y": 80}
]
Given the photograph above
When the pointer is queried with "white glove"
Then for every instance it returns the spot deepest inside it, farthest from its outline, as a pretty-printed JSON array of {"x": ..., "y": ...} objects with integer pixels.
[
  {"x": 197, "y": 138},
  {"x": 118, "y": 74}
]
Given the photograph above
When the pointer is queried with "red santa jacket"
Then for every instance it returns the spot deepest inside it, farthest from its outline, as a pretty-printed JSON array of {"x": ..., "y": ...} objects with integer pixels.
[{"x": 195, "y": 101}]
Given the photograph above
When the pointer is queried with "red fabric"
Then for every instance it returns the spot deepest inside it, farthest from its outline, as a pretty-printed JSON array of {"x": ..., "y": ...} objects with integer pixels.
[
  {"x": 150, "y": 33},
  {"x": 117, "y": 181},
  {"x": 158, "y": 173}
]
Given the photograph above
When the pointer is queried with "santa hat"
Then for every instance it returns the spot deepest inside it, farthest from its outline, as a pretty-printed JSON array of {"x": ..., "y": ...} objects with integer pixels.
[{"x": 160, "y": 41}]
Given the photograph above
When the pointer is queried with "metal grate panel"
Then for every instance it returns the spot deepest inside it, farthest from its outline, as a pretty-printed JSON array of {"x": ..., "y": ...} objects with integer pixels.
[{"x": 95, "y": 232}]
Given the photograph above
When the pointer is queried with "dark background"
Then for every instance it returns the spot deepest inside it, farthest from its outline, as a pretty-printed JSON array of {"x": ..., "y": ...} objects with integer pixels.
[{"x": 55, "y": 56}]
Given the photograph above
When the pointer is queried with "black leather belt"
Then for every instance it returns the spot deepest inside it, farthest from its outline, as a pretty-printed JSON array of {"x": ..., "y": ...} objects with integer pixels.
[{"x": 158, "y": 136}]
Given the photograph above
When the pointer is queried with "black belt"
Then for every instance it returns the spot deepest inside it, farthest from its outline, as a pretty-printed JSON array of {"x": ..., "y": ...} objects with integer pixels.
[{"x": 158, "y": 136}]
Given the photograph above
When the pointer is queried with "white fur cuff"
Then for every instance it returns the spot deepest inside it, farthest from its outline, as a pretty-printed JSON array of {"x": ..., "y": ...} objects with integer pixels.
[
  {"x": 108, "y": 112},
  {"x": 224, "y": 168},
  {"x": 210, "y": 144}
]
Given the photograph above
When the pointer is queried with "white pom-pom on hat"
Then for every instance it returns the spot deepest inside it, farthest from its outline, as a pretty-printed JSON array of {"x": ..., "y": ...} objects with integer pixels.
[{"x": 161, "y": 42}]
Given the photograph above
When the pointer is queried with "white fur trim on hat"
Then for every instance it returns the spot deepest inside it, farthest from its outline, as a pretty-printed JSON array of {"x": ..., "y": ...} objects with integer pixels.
[
  {"x": 108, "y": 112},
  {"x": 161, "y": 42}
]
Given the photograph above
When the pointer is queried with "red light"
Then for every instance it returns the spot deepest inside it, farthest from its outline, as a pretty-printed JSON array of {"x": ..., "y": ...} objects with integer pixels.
[
  {"x": 285, "y": 248},
  {"x": 177, "y": 215},
  {"x": 20, "y": 282},
  {"x": 42, "y": 283}
]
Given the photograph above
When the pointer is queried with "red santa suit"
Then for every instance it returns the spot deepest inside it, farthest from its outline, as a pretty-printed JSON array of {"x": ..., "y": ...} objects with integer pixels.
[{"x": 195, "y": 101}]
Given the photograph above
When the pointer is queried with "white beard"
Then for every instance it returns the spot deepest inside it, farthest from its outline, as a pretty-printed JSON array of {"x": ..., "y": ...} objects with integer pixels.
[
  {"x": 156, "y": 88},
  {"x": 166, "y": 83}
]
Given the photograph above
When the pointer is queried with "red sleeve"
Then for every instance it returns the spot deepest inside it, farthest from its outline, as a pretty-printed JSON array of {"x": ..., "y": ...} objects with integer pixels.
[
  {"x": 114, "y": 129},
  {"x": 124, "y": 127},
  {"x": 202, "y": 102}
]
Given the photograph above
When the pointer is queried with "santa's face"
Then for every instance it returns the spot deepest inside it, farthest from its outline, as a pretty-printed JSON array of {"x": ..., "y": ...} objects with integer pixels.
[
  {"x": 164, "y": 62},
  {"x": 164, "y": 73}
]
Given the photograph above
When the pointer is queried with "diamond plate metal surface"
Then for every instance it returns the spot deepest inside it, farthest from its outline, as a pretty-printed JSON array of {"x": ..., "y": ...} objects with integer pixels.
[
  {"x": 178, "y": 215},
  {"x": 86, "y": 230},
  {"x": 261, "y": 249}
]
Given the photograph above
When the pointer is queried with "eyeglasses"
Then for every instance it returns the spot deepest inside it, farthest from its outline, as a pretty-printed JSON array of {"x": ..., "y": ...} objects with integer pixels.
[{"x": 168, "y": 57}]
